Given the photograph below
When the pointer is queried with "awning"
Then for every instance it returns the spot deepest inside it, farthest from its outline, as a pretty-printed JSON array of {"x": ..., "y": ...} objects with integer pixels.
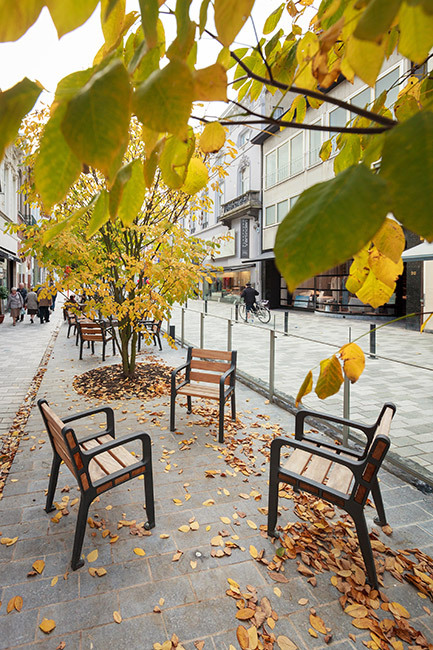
[
  {"x": 233, "y": 268},
  {"x": 268, "y": 255},
  {"x": 8, "y": 255},
  {"x": 418, "y": 253}
]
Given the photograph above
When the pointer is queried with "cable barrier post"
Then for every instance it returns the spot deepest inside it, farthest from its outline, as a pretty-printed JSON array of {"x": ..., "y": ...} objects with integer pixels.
[
  {"x": 346, "y": 402},
  {"x": 272, "y": 337},
  {"x": 229, "y": 335},
  {"x": 202, "y": 330},
  {"x": 205, "y": 306},
  {"x": 236, "y": 312},
  {"x": 182, "y": 327},
  {"x": 286, "y": 323},
  {"x": 372, "y": 354}
]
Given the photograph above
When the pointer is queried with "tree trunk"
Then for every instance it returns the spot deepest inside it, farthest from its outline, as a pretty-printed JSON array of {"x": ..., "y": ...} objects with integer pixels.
[{"x": 128, "y": 354}]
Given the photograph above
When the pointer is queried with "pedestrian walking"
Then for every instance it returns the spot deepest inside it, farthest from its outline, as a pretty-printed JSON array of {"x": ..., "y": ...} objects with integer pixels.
[
  {"x": 249, "y": 295},
  {"x": 53, "y": 299},
  {"x": 32, "y": 304},
  {"x": 15, "y": 304},
  {"x": 44, "y": 305},
  {"x": 23, "y": 291}
]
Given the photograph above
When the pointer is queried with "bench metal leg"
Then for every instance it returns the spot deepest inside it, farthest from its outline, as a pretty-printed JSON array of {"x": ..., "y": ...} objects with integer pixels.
[
  {"x": 233, "y": 400},
  {"x": 150, "y": 502},
  {"x": 80, "y": 529},
  {"x": 157, "y": 338},
  {"x": 103, "y": 350},
  {"x": 81, "y": 348},
  {"x": 54, "y": 475},
  {"x": 172, "y": 410},
  {"x": 380, "y": 520},
  {"x": 221, "y": 422},
  {"x": 365, "y": 546},
  {"x": 273, "y": 497},
  {"x": 114, "y": 347},
  {"x": 188, "y": 405},
  {"x": 93, "y": 347}
]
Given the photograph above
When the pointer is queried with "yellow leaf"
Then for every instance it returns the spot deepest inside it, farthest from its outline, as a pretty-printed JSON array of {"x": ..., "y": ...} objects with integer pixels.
[
  {"x": 425, "y": 323},
  {"x": 233, "y": 584},
  {"x": 38, "y": 566},
  {"x": 277, "y": 592},
  {"x": 383, "y": 268},
  {"x": 374, "y": 292},
  {"x": 365, "y": 58},
  {"x": 226, "y": 520},
  {"x": 251, "y": 524},
  {"x": 416, "y": 32},
  {"x": 271, "y": 623},
  {"x": 47, "y": 625},
  {"x": 194, "y": 525},
  {"x": 139, "y": 551},
  {"x": 114, "y": 539},
  {"x": 177, "y": 502},
  {"x": 318, "y": 623},
  {"x": 117, "y": 617},
  {"x": 212, "y": 138},
  {"x": 245, "y": 614},
  {"x": 353, "y": 361},
  {"x": 356, "y": 610},
  {"x": 164, "y": 536},
  {"x": 93, "y": 555},
  {"x": 54, "y": 581},
  {"x": 197, "y": 176},
  {"x": 330, "y": 378},
  {"x": 210, "y": 84},
  {"x": 242, "y": 636},
  {"x": 217, "y": 541},
  {"x": 100, "y": 571},
  {"x": 184, "y": 528},
  {"x": 396, "y": 609},
  {"x": 193, "y": 564},
  {"x": 209, "y": 502},
  {"x": 230, "y": 17},
  {"x": 390, "y": 240},
  {"x": 284, "y": 643},
  {"x": 253, "y": 552},
  {"x": 306, "y": 388}
]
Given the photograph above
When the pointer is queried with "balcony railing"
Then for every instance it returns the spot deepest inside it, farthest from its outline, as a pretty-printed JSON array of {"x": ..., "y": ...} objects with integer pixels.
[{"x": 244, "y": 203}]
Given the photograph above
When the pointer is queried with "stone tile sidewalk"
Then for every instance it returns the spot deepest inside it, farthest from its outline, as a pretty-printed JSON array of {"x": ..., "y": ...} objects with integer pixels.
[{"x": 191, "y": 591}]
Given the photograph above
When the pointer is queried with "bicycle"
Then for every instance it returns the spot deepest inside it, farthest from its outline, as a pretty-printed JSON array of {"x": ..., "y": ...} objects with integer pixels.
[{"x": 260, "y": 309}]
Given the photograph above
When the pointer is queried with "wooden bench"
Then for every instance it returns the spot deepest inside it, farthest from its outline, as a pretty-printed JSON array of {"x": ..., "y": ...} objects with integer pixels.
[
  {"x": 209, "y": 374},
  {"x": 340, "y": 475},
  {"x": 90, "y": 331},
  {"x": 154, "y": 327},
  {"x": 99, "y": 462}
]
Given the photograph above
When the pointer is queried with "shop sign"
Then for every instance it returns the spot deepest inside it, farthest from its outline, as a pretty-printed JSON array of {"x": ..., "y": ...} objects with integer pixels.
[
  {"x": 245, "y": 238},
  {"x": 227, "y": 246}
]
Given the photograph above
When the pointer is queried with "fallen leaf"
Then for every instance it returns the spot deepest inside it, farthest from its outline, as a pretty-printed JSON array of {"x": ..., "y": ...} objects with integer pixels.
[
  {"x": 38, "y": 565},
  {"x": 318, "y": 623},
  {"x": 302, "y": 601},
  {"x": 254, "y": 552},
  {"x": 277, "y": 592},
  {"x": 47, "y": 625},
  {"x": 242, "y": 637},
  {"x": 193, "y": 564},
  {"x": 117, "y": 617},
  {"x": 54, "y": 581},
  {"x": 226, "y": 520},
  {"x": 245, "y": 613},
  {"x": 164, "y": 536},
  {"x": 177, "y": 556},
  {"x": 209, "y": 502},
  {"x": 184, "y": 529},
  {"x": 251, "y": 524},
  {"x": 93, "y": 555},
  {"x": 284, "y": 643}
]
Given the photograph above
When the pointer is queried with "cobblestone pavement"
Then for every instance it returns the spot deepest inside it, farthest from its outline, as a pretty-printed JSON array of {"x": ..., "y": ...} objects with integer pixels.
[
  {"x": 313, "y": 337},
  {"x": 194, "y": 606}
]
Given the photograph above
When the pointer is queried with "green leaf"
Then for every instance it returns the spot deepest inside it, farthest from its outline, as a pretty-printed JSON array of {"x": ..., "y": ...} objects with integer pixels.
[
  {"x": 307, "y": 386},
  {"x": 203, "y": 15},
  {"x": 132, "y": 199},
  {"x": 56, "y": 167},
  {"x": 68, "y": 87},
  {"x": 377, "y": 19},
  {"x": 15, "y": 103},
  {"x": 197, "y": 177},
  {"x": 326, "y": 150},
  {"x": 210, "y": 84},
  {"x": 96, "y": 122},
  {"x": 67, "y": 15},
  {"x": 67, "y": 223},
  {"x": 349, "y": 154},
  {"x": 230, "y": 17},
  {"x": 212, "y": 138},
  {"x": 100, "y": 215},
  {"x": 112, "y": 22},
  {"x": 149, "y": 18},
  {"x": 407, "y": 166},
  {"x": 273, "y": 19},
  {"x": 365, "y": 58},
  {"x": 175, "y": 158},
  {"x": 17, "y": 17},
  {"x": 330, "y": 378},
  {"x": 163, "y": 102},
  {"x": 416, "y": 33},
  {"x": 329, "y": 223}
]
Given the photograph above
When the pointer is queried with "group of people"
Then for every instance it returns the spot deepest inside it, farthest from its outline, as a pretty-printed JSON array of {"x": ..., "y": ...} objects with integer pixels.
[{"x": 36, "y": 303}]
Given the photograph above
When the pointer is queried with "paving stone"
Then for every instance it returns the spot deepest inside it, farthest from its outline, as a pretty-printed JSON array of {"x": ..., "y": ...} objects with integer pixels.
[
  {"x": 17, "y": 628},
  {"x": 134, "y": 633},
  {"x": 195, "y": 621}
]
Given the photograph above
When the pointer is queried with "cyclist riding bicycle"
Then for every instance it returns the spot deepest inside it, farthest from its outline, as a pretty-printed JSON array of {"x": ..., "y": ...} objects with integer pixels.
[{"x": 249, "y": 295}]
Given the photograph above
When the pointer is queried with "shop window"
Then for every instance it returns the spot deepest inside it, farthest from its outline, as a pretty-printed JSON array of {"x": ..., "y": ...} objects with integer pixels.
[
  {"x": 387, "y": 83},
  {"x": 315, "y": 138},
  {"x": 282, "y": 210},
  {"x": 270, "y": 215},
  {"x": 296, "y": 154},
  {"x": 271, "y": 168}
]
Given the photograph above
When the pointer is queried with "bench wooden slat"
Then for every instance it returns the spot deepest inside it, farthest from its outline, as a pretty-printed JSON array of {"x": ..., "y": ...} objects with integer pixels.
[
  {"x": 385, "y": 424},
  {"x": 105, "y": 460},
  {"x": 211, "y": 354},
  {"x": 56, "y": 425},
  {"x": 194, "y": 390},
  {"x": 122, "y": 455},
  {"x": 297, "y": 461},
  {"x": 207, "y": 377},
  {"x": 216, "y": 366},
  {"x": 317, "y": 469},
  {"x": 339, "y": 478}
]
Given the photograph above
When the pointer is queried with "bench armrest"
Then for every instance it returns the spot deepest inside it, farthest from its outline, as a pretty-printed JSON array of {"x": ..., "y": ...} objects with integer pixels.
[
  {"x": 277, "y": 443},
  {"x": 174, "y": 388},
  {"x": 110, "y": 427},
  {"x": 304, "y": 413},
  {"x": 223, "y": 377},
  {"x": 112, "y": 444}
]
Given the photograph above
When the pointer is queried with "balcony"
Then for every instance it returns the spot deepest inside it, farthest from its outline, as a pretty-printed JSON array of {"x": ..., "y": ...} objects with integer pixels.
[{"x": 246, "y": 205}]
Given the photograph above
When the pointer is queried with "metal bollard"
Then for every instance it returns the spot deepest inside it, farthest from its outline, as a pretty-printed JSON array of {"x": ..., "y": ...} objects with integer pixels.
[
  {"x": 229, "y": 335},
  {"x": 202, "y": 331},
  {"x": 372, "y": 354},
  {"x": 172, "y": 332},
  {"x": 286, "y": 323},
  {"x": 236, "y": 312},
  {"x": 182, "y": 327},
  {"x": 346, "y": 402},
  {"x": 186, "y": 304},
  {"x": 272, "y": 337},
  {"x": 205, "y": 306}
]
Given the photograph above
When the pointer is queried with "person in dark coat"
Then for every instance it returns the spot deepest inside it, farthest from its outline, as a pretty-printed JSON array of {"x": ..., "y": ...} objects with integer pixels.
[
  {"x": 249, "y": 295},
  {"x": 44, "y": 305},
  {"x": 23, "y": 291}
]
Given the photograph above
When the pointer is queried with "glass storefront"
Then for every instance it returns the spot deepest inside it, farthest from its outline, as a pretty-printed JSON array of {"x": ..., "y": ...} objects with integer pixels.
[{"x": 227, "y": 285}]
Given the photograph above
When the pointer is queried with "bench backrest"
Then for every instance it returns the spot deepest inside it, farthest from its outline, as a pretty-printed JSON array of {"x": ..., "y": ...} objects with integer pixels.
[
  {"x": 91, "y": 331},
  {"x": 208, "y": 365},
  {"x": 58, "y": 442}
]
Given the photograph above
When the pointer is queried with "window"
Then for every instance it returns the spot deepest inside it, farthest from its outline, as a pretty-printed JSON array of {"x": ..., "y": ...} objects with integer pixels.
[
  {"x": 361, "y": 99},
  {"x": 338, "y": 117},
  {"x": 244, "y": 138},
  {"x": 293, "y": 200},
  {"x": 385, "y": 83},
  {"x": 283, "y": 162},
  {"x": 277, "y": 112},
  {"x": 270, "y": 215},
  {"x": 218, "y": 199},
  {"x": 296, "y": 154},
  {"x": 315, "y": 146},
  {"x": 244, "y": 180},
  {"x": 282, "y": 210},
  {"x": 271, "y": 168}
]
